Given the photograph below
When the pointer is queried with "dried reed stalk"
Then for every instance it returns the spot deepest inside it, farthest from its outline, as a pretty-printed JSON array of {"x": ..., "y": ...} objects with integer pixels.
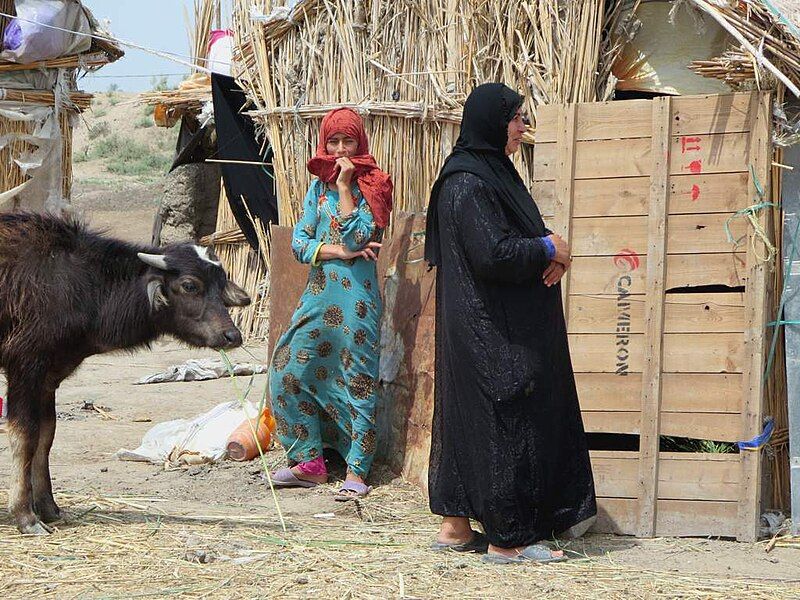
[
  {"x": 81, "y": 100},
  {"x": 776, "y": 38},
  {"x": 408, "y": 70},
  {"x": 94, "y": 59},
  {"x": 199, "y": 28}
]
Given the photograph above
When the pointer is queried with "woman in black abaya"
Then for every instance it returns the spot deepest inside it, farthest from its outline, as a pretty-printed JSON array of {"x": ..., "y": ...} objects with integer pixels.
[{"x": 508, "y": 447}]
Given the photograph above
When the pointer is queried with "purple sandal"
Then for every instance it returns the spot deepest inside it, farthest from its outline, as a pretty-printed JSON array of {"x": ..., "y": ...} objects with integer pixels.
[
  {"x": 285, "y": 478},
  {"x": 359, "y": 490}
]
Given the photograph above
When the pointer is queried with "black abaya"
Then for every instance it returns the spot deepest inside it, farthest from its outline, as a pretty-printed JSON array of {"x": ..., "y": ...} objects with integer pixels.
[{"x": 508, "y": 446}]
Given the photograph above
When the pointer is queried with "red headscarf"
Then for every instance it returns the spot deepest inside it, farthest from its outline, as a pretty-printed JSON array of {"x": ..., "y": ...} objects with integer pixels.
[{"x": 375, "y": 184}]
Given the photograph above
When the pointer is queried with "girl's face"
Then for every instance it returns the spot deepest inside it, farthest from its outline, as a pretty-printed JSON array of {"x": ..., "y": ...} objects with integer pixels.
[
  {"x": 516, "y": 128},
  {"x": 341, "y": 145}
]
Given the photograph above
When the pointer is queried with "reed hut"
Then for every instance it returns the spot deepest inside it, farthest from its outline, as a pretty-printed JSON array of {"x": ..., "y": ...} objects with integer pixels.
[
  {"x": 408, "y": 69},
  {"x": 41, "y": 103}
]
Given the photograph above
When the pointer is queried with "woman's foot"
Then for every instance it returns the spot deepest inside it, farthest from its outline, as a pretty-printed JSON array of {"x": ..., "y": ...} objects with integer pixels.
[
  {"x": 534, "y": 552},
  {"x": 455, "y": 530},
  {"x": 308, "y": 476},
  {"x": 354, "y": 487}
]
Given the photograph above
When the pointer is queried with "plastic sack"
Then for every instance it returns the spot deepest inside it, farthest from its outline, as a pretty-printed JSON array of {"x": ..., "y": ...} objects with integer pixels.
[
  {"x": 203, "y": 439},
  {"x": 220, "y": 52},
  {"x": 30, "y": 37}
]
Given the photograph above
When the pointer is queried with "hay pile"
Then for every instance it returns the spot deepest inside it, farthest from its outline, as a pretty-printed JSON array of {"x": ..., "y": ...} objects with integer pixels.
[{"x": 139, "y": 547}]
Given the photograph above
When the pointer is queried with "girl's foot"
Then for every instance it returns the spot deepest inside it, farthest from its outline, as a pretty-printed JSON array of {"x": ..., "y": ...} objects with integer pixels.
[{"x": 308, "y": 476}]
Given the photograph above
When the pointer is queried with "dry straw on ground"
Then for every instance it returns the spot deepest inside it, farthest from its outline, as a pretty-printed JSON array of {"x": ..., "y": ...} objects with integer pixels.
[{"x": 134, "y": 547}]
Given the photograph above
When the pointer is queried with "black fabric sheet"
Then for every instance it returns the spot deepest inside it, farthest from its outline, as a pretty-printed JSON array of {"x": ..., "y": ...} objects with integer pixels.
[{"x": 237, "y": 141}]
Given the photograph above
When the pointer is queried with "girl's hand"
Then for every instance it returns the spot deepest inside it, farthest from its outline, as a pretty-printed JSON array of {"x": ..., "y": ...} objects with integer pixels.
[
  {"x": 368, "y": 252},
  {"x": 346, "y": 171},
  {"x": 553, "y": 273}
]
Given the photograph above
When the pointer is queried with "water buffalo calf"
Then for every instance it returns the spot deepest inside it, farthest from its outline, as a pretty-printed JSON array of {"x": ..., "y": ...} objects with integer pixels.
[{"x": 67, "y": 293}]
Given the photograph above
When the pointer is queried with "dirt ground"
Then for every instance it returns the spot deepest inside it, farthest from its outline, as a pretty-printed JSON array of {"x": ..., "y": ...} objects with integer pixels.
[{"x": 136, "y": 530}]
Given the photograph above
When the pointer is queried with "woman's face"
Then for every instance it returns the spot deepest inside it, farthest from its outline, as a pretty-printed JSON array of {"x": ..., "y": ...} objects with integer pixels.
[
  {"x": 341, "y": 145},
  {"x": 516, "y": 128}
]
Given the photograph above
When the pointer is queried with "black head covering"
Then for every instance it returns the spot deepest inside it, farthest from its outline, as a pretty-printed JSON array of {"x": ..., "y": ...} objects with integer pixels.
[{"x": 480, "y": 150}]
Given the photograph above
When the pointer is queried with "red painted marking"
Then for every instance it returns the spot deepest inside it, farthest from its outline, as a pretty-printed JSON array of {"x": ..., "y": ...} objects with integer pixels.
[
  {"x": 696, "y": 167},
  {"x": 626, "y": 260},
  {"x": 689, "y": 144},
  {"x": 695, "y": 192}
]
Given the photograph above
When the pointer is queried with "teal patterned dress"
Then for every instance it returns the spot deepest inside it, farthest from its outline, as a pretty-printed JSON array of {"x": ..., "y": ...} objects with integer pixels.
[{"x": 325, "y": 367}]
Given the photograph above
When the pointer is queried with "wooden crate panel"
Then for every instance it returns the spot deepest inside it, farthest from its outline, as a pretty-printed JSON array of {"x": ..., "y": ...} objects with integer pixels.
[
  {"x": 609, "y": 392},
  {"x": 629, "y": 196},
  {"x": 701, "y": 392},
  {"x": 686, "y": 234},
  {"x": 674, "y": 517},
  {"x": 686, "y": 270},
  {"x": 612, "y": 422},
  {"x": 681, "y": 476},
  {"x": 605, "y": 274},
  {"x": 599, "y": 353},
  {"x": 633, "y": 118},
  {"x": 683, "y": 353},
  {"x": 716, "y": 153},
  {"x": 689, "y": 517},
  {"x": 719, "y": 427},
  {"x": 703, "y": 352},
  {"x": 682, "y": 392},
  {"x": 683, "y": 313}
]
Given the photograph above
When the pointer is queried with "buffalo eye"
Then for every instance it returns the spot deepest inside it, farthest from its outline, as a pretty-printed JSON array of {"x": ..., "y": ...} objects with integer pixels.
[{"x": 190, "y": 287}]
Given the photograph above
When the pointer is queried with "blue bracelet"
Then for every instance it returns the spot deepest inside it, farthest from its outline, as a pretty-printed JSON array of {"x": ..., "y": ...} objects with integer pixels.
[{"x": 549, "y": 248}]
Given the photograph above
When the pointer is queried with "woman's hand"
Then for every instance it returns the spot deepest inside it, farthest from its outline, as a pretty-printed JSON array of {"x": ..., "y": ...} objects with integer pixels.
[
  {"x": 553, "y": 273},
  {"x": 346, "y": 171},
  {"x": 339, "y": 252},
  {"x": 563, "y": 252}
]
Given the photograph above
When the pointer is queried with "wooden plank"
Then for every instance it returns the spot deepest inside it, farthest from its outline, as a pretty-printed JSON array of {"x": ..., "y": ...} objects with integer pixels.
[
  {"x": 612, "y": 422},
  {"x": 657, "y": 236},
  {"x": 724, "y": 113},
  {"x": 755, "y": 318},
  {"x": 682, "y": 476},
  {"x": 606, "y": 274},
  {"x": 674, "y": 517},
  {"x": 688, "y": 270},
  {"x": 288, "y": 280},
  {"x": 696, "y": 518},
  {"x": 628, "y": 196},
  {"x": 565, "y": 173},
  {"x": 719, "y": 427},
  {"x": 681, "y": 392},
  {"x": 687, "y": 234},
  {"x": 703, "y": 353},
  {"x": 714, "y": 153},
  {"x": 684, "y": 313},
  {"x": 683, "y": 353},
  {"x": 615, "y": 515}
]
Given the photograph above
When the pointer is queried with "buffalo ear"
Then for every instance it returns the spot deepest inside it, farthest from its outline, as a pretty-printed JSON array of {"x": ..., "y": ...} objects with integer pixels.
[
  {"x": 156, "y": 294},
  {"x": 233, "y": 295}
]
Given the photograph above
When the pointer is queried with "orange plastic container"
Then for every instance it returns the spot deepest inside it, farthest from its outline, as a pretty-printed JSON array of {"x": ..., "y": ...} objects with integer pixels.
[{"x": 241, "y": 443}]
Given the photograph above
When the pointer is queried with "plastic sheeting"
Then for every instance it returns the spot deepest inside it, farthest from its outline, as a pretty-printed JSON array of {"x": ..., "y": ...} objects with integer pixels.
[
  {"x": 656, "y": 60},
  {"x": 36, "y": 34},
  {"x": 203, "y": 439}
]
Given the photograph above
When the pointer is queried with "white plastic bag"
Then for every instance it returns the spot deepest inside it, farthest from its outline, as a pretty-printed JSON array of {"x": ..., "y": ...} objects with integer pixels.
[
  {"x": 28, "y": 38},
  {"x": 204, "y": 439}
]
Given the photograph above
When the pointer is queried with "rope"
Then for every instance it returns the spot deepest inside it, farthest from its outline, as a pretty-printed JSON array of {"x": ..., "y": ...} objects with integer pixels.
[{"x": 750, "y": 213}]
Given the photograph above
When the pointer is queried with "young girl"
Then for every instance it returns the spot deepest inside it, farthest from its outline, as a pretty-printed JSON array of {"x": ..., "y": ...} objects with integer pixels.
[{"x": 325, "y": 366}]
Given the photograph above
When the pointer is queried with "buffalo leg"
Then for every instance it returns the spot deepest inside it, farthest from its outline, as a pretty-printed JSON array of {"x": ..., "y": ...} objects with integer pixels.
[
  {"x": 24, "y": 394},
  {"x": 43, "y": 503}
]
